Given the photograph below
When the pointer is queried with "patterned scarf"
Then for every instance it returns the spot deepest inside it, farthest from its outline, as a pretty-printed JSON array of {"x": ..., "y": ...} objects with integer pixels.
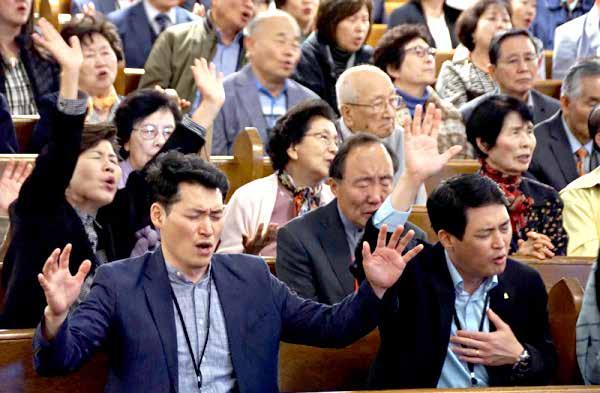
[
  {"x": 519, "y": 205},
  {"x": 103, "y": 104},
  {"x": 305, "y": 199}
]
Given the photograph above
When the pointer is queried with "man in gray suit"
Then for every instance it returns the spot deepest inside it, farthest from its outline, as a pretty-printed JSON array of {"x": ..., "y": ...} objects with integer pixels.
[
  {"x": 514, "y": 63},
  {"x": 564, "y": 149},
  {"x": 261, "y": 92},
  {"x": 315, "y": 251}
]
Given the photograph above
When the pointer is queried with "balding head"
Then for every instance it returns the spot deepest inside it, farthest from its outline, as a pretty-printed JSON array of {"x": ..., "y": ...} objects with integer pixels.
[
  {"x": 363, "y": 93},
  {"x": 261, "y": 23}
]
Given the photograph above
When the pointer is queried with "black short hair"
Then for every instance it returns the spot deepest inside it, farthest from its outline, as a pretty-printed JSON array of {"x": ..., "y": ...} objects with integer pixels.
[
  {"x": 173, "y": 168},
  {"x": 390, "y": 48},
  {"x": 338, "y": 166},
  {"x": 448, "y": 203},
  {"x": 291, "y": 128},
  {"x": 138, "y": 105},
  {"x": 468, "y": 19},
  {"x": 92, "y": 134},
  {"x": 499, "y": 38},
  {"x": 331, "y": 12},
  {"x": 488, "y": 117}
]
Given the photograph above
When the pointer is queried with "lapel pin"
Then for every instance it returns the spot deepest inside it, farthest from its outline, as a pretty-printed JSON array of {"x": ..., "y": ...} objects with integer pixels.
[{"x": 505, "y": 295}]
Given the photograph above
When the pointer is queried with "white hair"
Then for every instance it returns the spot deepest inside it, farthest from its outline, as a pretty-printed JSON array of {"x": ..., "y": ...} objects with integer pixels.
[
  {"x": 258, "y": 20},
  {"x": 345, "y": 88}
]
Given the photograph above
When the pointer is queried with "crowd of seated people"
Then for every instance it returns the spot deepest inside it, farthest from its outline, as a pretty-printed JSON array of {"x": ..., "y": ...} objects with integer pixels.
[{"x": 123, "y": 237}]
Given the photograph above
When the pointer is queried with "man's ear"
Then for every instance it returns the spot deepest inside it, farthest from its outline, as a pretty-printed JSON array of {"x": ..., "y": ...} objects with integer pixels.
[
  {"x": 491, "y": 69},
  {"x": 446, "y": 239},
  {"x": 158, "y": 215},
  {"x": 333, "y": 186},
  {"x": 347, "y": 115}
]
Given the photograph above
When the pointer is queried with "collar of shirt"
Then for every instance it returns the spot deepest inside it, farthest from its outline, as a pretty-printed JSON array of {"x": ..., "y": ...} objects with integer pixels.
[
  {"x": 263, "y": 90},
  {"x": 487, "y": 285},
  {"x": 177, "y": 277},
  {"x": 151, "y": 12},
  {"x": 236, "y": 40},
  {"x": 571, "y": 6},
  {"x": 573, "y": 142}
]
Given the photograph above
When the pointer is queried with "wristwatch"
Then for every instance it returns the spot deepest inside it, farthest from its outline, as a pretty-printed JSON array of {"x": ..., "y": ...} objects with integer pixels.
[{"x": 522, "y": 365}]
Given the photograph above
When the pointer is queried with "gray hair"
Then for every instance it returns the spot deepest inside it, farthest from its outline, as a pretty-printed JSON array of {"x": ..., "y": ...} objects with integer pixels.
[
  {"x": 258, "y": 20},
  {"x": 571, "y": 85},
  {"x": 345, "y": 90}
]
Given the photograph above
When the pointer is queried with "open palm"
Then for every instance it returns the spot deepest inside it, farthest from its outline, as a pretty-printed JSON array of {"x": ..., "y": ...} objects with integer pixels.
[
  {"x": 208, "y": 81},
  {"x": 60, "y": 287},
  {"x": 11, "y": 181}
]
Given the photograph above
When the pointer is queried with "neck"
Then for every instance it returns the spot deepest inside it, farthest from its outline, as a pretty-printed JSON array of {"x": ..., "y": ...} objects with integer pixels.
[
  {"x": 414, "y": 90},
  {"x": 8, "y": 33},
  {"x": 228, "y": 33},
  {"x": 480, "y": 58},
  {"x": 159, "y": 7},
  {"x": 81, "y": 203},
  {"x": 96, "y": 93},
  {"x": 192, "y": 274},
  {"x": 305, "y": 26},
  {"x": 272, "y": 84},
  {"x": 470, "y": 283},
  {"x": 300, "y": 176},
  {"x": 491, "y": 165}
]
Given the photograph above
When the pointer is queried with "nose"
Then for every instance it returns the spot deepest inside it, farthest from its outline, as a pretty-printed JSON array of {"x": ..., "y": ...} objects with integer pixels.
[
  {"x": 160, "y": 139},
  {"x": 205, "y": 228},
  {"x": 498, "y": 241},
  {"x": 376, "y": 195}
]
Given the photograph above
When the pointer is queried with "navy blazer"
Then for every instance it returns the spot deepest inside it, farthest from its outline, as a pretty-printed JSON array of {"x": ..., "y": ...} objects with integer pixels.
[
  {"x": 544, "y": 106},
  {"x": 553, "y": 162},
  {"x": 242, "y": 108},
  {"x": 103, "y": 6},
  {"x": 137, "y": 34},
  {"x": 129, "y": 309},
  {"x": 8, "y": 138},
  {"x": 313, "y": 257}
]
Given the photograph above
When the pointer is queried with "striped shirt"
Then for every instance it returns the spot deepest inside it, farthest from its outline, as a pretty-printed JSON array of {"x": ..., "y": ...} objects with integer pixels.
[{"x": 19, "y": 92}]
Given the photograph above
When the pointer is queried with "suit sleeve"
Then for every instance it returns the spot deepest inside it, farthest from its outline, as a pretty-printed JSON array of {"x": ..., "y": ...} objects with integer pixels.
[
  {"x": 81, "y": 334},
  {"x": 220, "y": 144},
  {"x": 293, "y": 265}
]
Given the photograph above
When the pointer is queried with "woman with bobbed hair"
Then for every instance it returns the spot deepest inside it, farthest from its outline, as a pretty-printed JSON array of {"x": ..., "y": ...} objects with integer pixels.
[
  {"x": 302, "y": 146},
  {"x": 342, "y": 28},
  {"x": 460, "y": 81},
  {"x": 501, "y": 130}
]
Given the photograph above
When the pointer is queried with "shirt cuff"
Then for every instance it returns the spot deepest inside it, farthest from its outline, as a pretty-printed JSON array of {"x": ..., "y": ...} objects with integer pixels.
[
  {"x": 74, "y": 107},
  {"x": 193, "y": 126},
  {"x": 386, "y": 214}
]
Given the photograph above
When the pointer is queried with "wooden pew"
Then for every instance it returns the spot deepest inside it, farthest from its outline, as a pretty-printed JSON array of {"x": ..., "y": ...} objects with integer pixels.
[
  {"x": 564, "y": 304},
  {"x": 377, "y": 30},
  {"x": 50, "y": 9},
  {"x": 440, "y": 58},
  {"x": 127, "y": 80},
  {"x": 454, "y": 167},
  {"x": 303, "y": 368},
  {"x": 550, "y": 87},
  {"x": 24, "y": 125},
  {"x": 548, "y": 63},
  {"x": 270, "y": 261},
  {"x": 390, "y": 6}
]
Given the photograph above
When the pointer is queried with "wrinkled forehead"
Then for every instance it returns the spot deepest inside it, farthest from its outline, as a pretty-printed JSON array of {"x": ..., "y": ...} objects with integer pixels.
[
  {"x": 370, "y": 85},
  {"x": 371, "y": 160},
  {"x": 485, "y": 217}
]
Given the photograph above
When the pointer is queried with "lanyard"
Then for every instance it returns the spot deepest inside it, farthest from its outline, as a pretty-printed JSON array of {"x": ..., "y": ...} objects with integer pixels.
[
  {"x": 187, "y": 337},
  {"x": 471, "y": 366}
]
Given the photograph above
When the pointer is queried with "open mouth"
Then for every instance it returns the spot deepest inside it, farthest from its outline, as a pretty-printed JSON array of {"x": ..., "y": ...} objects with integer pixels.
[{"x": 204, "y": 248}]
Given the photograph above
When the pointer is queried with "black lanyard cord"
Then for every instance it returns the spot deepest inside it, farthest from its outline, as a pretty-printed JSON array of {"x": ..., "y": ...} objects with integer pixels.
[
  {"x": 187, "y": 337},
  {"x": 471, "y": 366}
]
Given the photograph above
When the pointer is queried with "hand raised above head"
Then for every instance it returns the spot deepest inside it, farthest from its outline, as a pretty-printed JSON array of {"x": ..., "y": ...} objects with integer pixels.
[
  {"x": 69, "y": 56},
  {"x": 11, "y": 181},
  {"x": 385, "y": 265},
  {"x": 421, "y": 153},
  {"x": 209, "y": 81}
]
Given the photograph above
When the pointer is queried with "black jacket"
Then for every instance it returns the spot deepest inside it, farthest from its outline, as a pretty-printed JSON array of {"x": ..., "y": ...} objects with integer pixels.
[
  {"x": 416, "y": 332},
  {"x": 8, "y": 138},
  {"x": 41, "y": 219},
  {"x": 412, "y": 13},
  {"x": 316, "y": 68}
]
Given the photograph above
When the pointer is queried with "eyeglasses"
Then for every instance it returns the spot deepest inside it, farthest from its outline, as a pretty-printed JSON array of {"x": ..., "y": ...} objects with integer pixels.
[
  {"x": 421, "y": 51},
  {"x": 326, "y": 139},
  {"x": 150, "y": 131},
  {"x": 380, "y": 104}
]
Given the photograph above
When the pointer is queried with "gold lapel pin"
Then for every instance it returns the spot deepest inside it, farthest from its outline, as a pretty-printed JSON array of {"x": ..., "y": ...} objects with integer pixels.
[{"x": 505, "y": 295}]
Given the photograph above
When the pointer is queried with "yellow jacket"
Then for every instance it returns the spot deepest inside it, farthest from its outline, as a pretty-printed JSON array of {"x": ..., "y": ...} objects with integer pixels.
[{"x": 581, "y": 215}]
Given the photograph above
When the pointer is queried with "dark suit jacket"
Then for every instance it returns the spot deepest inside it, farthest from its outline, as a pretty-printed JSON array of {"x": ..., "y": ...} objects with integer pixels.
[
  {"x": 544, "y": 107},
  {"x": 242, "y": 109},
  {"x": 412, "y": 13},
  {"x": 103, "y": 6},
  {"x": 137, "y": 34},
  {"x": 8, "y": 138},
  {"x": 416, "y": 333},
  {"x": 313, "y": 256},
  {"x": 129, "y": 309},
  {"x": 553, "y": 162},
  {"x": 41, "y": 219}
]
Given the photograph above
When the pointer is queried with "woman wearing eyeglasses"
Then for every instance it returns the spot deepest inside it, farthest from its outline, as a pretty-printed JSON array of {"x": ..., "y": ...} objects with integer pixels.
[
  {"x": 302, "y": 146},
  {"x": 406, "y": 54}
]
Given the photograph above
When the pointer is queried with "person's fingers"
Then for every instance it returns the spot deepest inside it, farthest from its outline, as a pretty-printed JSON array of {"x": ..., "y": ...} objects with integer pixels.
[
  {"x": 64, "y": 256},
  {"x": 23, "y": 171},
  {"x": 75, "y": 44},
  {"x": 381, "y": 236},
  {"x": 83, "y": 270},
  {"x": 404, "y": 241},
  {"x": 366, "y": 251},
  {"x": 436, "y": 123},
  {"x": 467, "y": 342},
  {"x": 428, "y": 119},
  {"x": 43, "y": 282},
  {"x": 395, "y": 238},
  {"x": 417, "y": 120},
  {"x": 479, "y": 336},
  {"x": 410, "y": 254},
  {"x": 450, "y": 153},
  {"x": 466, "y": 351},
  {"x": 496, "y": 320},
  {"x": 259, "y": 230},
  {"x": 51, "y": 262},
  {"x": 8, "y": 170},
  {"x": 520, "y": 242}
]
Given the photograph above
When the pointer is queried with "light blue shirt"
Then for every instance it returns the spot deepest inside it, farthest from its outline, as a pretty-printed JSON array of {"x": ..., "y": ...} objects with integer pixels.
[
  {"x": 226, "y": 57},
  {"x": 272, "y": 107},
  {"x": 576, "y": 145},
  {"x": 469, "y": 308},
  {"x": 386, "y": 214}
]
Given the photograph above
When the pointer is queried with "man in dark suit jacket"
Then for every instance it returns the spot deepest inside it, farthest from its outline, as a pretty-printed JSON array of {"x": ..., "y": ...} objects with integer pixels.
[
  {"x": 513, "y": 67},
  {"x": 315, "y": 252},
  {"x": 142, "y": 308},
  {"x": 441, "y": 334},
  {"x": 140, "y": 24},
  {"x": 560, "y": 138}
]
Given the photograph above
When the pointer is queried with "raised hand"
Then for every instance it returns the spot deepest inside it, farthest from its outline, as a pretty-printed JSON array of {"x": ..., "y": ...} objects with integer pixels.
[
  {"x": 11, "y": 181},
  {"x": 69, "y": 56},
  {"x": 491, "y": 349},
  {"x": 421, "y": 152},
  {"x": 60, "y": 287},
  {"x": 385, "y": 265},
  {"x": 537, "y": 245},
  {"x": 209, "y": 82},
  {"x": 259, "y": 241},
  {"x": 182, "y": 103}
]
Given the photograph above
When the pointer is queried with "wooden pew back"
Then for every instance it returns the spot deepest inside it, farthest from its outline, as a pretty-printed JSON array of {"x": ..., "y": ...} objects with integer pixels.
[
  {"x": 454, "y": 167},
  {"x": 440, "y": 58},
  {"x": 549, "y": 87},
  {"x": 377, "y": 31},
  {"x": 127, "y": 80},
  {"x": 24, "y": 125}
]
